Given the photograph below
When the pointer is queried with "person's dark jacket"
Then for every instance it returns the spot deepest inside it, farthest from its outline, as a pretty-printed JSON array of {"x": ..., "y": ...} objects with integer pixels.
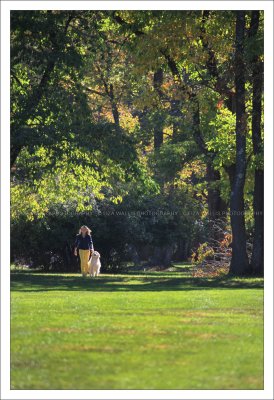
[{"x": 83, "y": 242}]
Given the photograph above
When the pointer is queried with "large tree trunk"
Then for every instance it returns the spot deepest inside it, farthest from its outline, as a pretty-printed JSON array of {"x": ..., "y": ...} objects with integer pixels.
[
  {"x": 257, "y": 258},
  {"x": 239, "y": 262}
]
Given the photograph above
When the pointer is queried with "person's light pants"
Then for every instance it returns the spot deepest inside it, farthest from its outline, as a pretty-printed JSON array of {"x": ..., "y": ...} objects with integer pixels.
[{"x": 84, "y": 256}]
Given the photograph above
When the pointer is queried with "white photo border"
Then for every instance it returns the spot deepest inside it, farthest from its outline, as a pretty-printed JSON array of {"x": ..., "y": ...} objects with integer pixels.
[{"x": 6, "y": 393}]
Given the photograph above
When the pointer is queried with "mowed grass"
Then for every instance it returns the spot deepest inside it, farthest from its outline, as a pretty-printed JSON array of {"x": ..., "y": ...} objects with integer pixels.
[{"x": 144, "y": 331}]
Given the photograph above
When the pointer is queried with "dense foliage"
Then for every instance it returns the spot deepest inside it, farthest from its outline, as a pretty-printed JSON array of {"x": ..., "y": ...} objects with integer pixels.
[{"x": 144, "y": 125}]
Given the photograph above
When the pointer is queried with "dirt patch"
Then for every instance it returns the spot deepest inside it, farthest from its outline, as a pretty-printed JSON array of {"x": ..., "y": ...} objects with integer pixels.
[
  {"x": 160, "y": 346},
  {"x": 210, "y": 335},
  {"x": 86, "y": 348},
  {"x": 117, "y": 331},
  {"x": 61, "y": 330},
  {"x": 124, "y": 332}
]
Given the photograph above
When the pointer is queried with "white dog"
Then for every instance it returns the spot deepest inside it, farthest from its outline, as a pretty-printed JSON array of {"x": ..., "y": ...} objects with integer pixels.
[{"x": 94, "y": 264}]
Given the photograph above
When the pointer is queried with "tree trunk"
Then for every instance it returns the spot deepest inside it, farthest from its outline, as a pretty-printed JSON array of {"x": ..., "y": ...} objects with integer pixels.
[
  {"x": 14, "y": 152},
  {"x": 239, "y": 262},
  {"x": 230, "y": 170},
  {"x": 175, "y": 112},
  {"x": 158, "y": 136},
  {"x": 161, "y": 256},
  {"x": 257, "y": 258},
  {"x": 114, "y": 108},
  {"x": 158, "y": 128},
  {"x": 217, "y": 207}
]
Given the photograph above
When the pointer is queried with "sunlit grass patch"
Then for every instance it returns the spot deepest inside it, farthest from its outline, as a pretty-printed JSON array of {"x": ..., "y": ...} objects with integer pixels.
[{"x": 126, "y": 331}]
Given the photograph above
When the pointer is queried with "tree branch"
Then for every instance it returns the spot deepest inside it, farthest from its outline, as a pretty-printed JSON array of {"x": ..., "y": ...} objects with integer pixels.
[
  {"x": 212, "y": 64},
  {"x": 122, "y": 22},
  {"x": 16, "y": 78},
  {"x": 36, "y": 96},
  {"x": 94, "y": 91}
]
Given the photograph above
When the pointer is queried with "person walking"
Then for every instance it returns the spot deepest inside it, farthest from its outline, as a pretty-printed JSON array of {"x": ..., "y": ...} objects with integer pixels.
[{"x": 84, "y": 245}]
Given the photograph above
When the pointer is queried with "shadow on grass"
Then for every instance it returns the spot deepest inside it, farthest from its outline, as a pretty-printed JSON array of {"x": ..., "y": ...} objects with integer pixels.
[{"x": 29, "y": 282}]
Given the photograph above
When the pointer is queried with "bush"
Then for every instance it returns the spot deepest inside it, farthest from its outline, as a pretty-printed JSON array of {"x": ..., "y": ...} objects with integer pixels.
[{"x": 141, "y": 228}]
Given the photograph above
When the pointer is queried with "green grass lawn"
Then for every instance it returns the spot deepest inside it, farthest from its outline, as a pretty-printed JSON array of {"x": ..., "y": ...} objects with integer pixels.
[{"x": 143, "y": 331}]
